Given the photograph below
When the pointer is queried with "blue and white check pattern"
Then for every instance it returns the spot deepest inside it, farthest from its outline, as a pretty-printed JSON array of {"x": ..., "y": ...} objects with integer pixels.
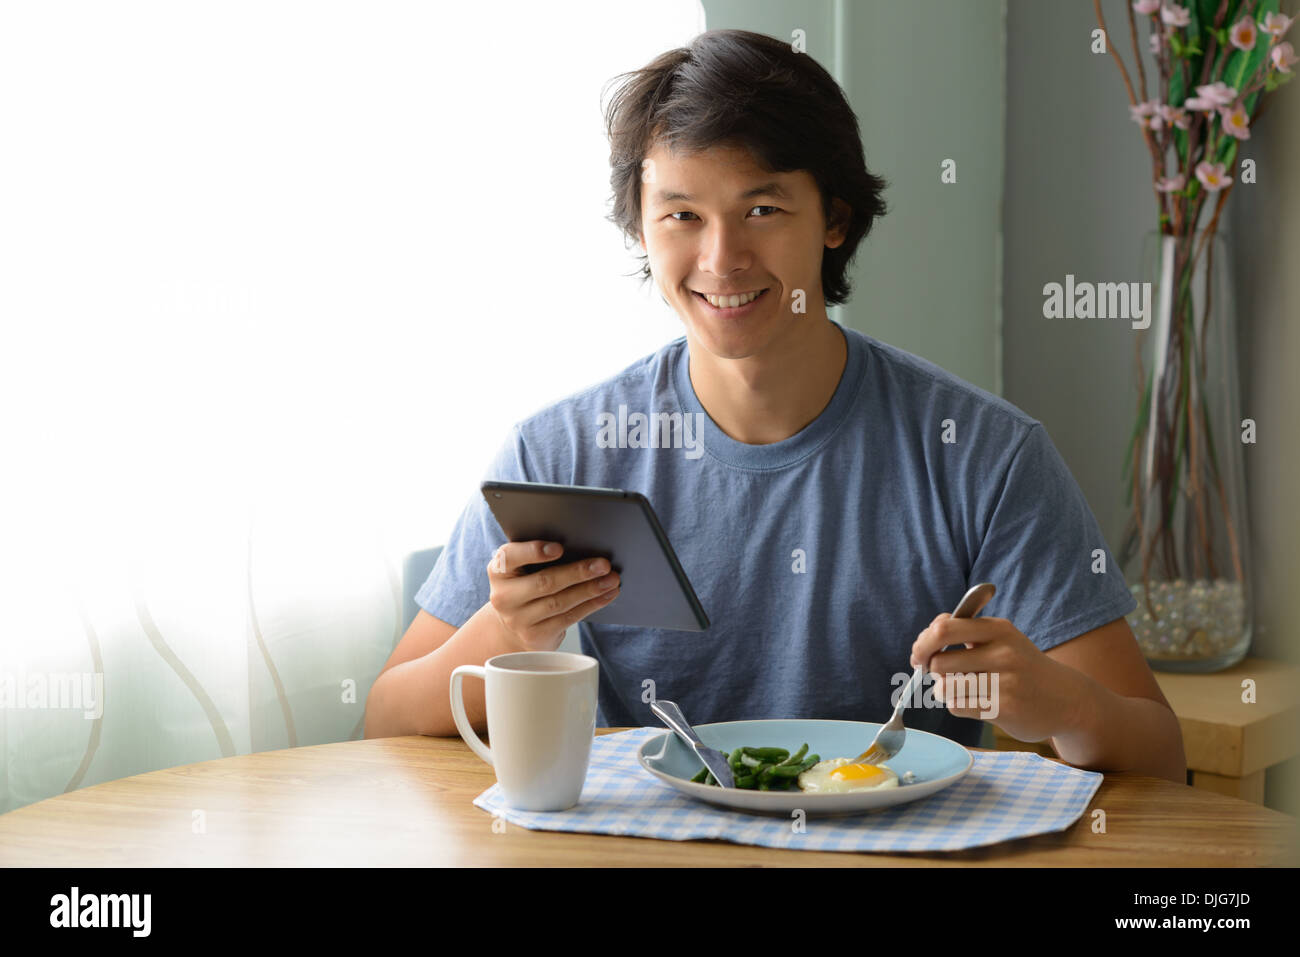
[{"x": 1006, "y": 795}]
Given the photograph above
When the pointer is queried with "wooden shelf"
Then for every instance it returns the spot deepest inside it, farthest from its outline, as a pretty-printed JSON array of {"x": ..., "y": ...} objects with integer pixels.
[{"x": 1229, "y": 743}]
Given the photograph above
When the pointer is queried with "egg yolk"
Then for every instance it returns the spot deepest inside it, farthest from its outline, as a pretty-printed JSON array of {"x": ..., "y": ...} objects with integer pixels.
[{"x": 857, "y": 772}]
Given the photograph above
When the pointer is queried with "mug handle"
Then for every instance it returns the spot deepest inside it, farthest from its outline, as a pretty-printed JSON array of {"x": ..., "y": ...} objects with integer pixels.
[{"x": 458, "y": 711}]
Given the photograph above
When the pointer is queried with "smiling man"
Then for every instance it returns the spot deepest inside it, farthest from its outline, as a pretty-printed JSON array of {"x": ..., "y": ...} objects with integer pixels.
[{"x": 848, "y": 492}]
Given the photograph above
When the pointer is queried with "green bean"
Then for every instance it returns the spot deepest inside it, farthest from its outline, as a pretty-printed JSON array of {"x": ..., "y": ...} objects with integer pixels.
[
  {"x": 797, "y": 756},
  {"x": 764, "y": 769}
]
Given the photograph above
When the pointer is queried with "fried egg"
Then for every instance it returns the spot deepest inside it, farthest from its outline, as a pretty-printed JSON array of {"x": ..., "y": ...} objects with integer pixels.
[{"x": 838, "y": 775}]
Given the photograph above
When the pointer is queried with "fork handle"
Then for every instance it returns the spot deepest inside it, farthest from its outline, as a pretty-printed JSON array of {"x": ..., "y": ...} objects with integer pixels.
[{"x": 971, "y": 604}]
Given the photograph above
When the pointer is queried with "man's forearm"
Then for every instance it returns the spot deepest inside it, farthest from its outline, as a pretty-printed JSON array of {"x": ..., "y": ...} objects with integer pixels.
[
  {"x": 414, "y": 697},
  {"x": 1115, "y": 733}
]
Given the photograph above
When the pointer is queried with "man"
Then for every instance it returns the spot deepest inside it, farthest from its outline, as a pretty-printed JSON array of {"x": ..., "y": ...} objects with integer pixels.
[{"x": 846, "y": 494}]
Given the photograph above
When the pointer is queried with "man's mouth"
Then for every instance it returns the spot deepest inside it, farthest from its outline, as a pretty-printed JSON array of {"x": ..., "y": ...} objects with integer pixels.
[{"x": 731, "y": 301}]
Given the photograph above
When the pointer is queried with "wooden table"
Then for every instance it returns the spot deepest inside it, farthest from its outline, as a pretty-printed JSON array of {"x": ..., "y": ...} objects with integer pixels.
[{"x": 407, "y": 801}]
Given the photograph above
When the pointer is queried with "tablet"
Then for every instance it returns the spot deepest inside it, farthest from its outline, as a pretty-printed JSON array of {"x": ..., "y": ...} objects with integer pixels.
[{"x": 621, "y": 526}]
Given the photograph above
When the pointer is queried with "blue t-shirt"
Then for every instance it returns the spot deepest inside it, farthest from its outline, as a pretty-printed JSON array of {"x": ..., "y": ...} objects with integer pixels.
[{"x": 820, "y": 558}]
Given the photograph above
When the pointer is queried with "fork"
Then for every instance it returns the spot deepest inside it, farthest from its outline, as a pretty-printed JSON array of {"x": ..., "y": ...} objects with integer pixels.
[{"x": 889, "y": 739}]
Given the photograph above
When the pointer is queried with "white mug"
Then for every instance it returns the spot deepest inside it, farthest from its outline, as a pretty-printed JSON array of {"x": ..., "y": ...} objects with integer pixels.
[{"x": 541, "y": 715}]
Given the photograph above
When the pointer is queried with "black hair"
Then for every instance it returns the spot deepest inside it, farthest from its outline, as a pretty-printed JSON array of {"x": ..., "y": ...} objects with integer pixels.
[{"x": 737, "y": 88}]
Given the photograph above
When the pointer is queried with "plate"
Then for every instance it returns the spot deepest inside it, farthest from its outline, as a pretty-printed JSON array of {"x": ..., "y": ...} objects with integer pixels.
[{"x": 936, "y": 761}]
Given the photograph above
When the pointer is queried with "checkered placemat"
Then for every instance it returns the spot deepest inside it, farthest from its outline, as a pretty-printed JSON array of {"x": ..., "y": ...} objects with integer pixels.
[{"x": 1006, "y": 795}]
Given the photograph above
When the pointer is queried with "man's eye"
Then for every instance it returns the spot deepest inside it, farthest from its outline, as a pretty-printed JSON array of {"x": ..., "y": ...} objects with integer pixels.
[{"x": 688, "y": 213}]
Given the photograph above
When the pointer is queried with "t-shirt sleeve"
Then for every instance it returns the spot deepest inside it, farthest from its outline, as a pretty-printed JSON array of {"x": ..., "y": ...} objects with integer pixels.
[
  {"x": 1038, "y": 550},
  {"x": 458, "y": 585}
]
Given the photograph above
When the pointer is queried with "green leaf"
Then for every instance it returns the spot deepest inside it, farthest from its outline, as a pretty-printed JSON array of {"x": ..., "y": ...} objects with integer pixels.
[
  {"x": 1192, "y": 50},
  {"x": 1206, "y": 9},
  {"x": 1227, "y": 152}
]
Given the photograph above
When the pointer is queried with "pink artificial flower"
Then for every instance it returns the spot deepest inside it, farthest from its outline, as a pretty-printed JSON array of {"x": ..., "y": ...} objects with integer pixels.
[
  {"x": 1142, "y": 113},
  {"x": 1171, "y": 184},
  {"x": 1220, "y": 94},
  {"x": 1243, "y": 34},
  {"x": 1276, "y": 24},
  {"x": 1174, "y": 15},
  {"x": 1235, "y": 121},
  {"x": 1174, "y": 115},
  {"x": 1212, "y": 176},
  {"x": 1146, "y": 114},
  {"x": 1146, "y": 6},
  {"x": 1283, "y": 57}
]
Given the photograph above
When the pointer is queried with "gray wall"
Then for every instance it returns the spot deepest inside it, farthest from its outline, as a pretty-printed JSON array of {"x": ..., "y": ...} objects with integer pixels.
[{"x": 1077, "y": 201}]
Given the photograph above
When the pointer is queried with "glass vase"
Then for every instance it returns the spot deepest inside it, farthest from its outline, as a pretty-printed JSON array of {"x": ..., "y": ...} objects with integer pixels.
[{"x": 1185, "y": 551}]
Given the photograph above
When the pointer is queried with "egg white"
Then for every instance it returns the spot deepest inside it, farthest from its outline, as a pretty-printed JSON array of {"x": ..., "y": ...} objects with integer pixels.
[{"x": 817, "y": 779}]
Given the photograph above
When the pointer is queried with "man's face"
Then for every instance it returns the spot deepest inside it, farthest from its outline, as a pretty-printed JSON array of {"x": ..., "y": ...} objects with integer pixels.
[{"x": 738, "y": 230}]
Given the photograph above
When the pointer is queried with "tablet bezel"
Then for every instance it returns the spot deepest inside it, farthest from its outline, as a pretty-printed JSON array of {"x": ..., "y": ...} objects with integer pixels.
[{"x": 533, "y": 489}]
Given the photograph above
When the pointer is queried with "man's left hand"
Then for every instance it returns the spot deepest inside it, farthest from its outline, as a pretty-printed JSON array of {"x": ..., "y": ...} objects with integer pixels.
[{"x": 1030, "y": 696}]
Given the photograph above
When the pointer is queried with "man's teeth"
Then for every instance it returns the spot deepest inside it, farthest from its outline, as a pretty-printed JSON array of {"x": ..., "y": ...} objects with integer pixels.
[{"x": 731, "y": 302}]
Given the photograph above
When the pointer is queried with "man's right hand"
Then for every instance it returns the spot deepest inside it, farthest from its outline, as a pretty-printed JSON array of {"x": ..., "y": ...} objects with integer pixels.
[{"x": 537, "y": 608}]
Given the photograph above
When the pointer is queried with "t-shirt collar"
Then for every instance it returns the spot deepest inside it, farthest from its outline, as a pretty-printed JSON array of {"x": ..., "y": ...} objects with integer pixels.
[{"x": 803, "y": 443}]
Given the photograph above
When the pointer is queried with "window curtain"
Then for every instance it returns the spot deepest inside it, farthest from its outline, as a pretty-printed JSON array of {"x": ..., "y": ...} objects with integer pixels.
[{"x": 275, "y": 281}]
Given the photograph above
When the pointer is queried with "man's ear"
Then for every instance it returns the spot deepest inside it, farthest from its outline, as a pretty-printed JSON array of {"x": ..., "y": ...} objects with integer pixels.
[{"x": 838, "y": 227}]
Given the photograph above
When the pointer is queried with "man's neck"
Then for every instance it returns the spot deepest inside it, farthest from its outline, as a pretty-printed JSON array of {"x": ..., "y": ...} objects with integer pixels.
[{"x": 768, "y": 398}]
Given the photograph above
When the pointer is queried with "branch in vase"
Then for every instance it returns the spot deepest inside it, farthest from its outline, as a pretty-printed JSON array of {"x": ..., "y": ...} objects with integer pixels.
[
  {"x": 1137, "y": 56},
  {"x": 1157, "y": 163},
  {"x": 1211, "y": 48}
]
